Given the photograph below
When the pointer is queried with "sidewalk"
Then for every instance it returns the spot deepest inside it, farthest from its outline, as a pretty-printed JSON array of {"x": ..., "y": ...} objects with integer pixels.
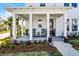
[
  {"x": 65, "y": 48},
  {"x": 4, "y": 35}
]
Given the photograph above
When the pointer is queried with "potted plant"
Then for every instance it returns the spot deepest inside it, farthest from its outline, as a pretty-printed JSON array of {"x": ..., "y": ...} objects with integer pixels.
[
  {"x": 26, "y": 31},
  {"x": 65, "y": 39},
  {"x": 50, "y": 39}
]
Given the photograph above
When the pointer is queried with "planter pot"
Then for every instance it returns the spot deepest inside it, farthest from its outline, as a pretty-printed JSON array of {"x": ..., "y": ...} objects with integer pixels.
[
  {"x": 50, "y": 39},
  {"x": 66, "y": 39}
]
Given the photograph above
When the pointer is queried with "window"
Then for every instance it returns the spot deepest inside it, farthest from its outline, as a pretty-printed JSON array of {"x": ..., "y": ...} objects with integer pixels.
[
  {"x": 74, "y": 4},
  {"x": 30, "y": 6},
  {"x": 66, "y": 4},
  {"x": 42, "y": 5},
  {"x": 67, "y": 24},
  {"x": 34, "y": 32},
  {"x": 39, "y": 25},
  {"x": 74, "y": 25}
]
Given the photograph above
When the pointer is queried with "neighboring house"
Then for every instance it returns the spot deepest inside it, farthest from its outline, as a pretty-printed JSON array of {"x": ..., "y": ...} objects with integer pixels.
[{"x": 45, "y": 19}]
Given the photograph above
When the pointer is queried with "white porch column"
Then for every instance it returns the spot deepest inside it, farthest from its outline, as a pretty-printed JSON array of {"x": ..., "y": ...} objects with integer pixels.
[
  {"x": 78, "y": 25},
  {"x": 22, "y": 27},
  {"x": 65, "y": 25},
  {"x": 14, "y": 27},
  {"x": 48, "y": 32},
  {"x": 70, "y": 25},
  {"x": 30, "y": 26}
]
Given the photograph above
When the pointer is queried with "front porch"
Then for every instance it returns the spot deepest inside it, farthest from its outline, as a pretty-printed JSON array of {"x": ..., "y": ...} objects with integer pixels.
[
  {"x": 38, "y": 24},
  {"x": 41, "y": 28}
]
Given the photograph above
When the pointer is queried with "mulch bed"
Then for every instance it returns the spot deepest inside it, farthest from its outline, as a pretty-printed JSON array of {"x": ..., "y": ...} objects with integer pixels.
[
  {"x": 27, "y": 48},
  {"x": 76, "y": 47}
]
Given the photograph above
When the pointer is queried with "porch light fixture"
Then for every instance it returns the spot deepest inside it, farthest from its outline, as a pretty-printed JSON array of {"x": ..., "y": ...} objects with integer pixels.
[{"x": 39, "y": 23}]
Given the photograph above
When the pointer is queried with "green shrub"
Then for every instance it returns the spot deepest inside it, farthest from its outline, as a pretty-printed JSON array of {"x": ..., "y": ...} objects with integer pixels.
[
  {"x": 22, "y": 42},
  {"x": 28, "y": 42},
  {"x": 45, "y": 42},
  {"x": 74, "y": 42},
  {"x": 73, "y": 36},
  {"x": 12, "y": 45},
  {"x": 6, "y": 43},
  {"x": 40, "y": 42},
  {"x": 26, "y": 31},
  {"x": 35, "y": 42}
]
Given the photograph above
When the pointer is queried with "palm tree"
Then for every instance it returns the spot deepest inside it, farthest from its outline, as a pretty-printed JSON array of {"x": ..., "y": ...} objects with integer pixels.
[
  {"x": 6, "y": 24},
  {"x": 17, "y": 26},
  {"x": 9, "y": 21}
]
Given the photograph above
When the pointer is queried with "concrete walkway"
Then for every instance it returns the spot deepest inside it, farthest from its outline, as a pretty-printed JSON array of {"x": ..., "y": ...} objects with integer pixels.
[{"x": 65, "y": 48}]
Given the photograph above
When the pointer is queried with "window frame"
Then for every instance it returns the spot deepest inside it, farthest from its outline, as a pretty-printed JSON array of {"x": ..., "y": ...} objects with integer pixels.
[
  {"x": 42, "y": 4},
  {"x": 68, "y": 25},
  {"x": 74, "y": 5},
  {"x": 73, "y": 29},
  {"x": 66, "y": 4}
]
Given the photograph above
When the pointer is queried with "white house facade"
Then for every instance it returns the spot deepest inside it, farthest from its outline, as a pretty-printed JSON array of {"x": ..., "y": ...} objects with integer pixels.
[{"x": 45, "y": 19}]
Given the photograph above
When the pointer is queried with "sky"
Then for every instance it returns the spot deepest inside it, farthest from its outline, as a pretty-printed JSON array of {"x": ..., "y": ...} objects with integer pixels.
[{"x": 4, "y": 14}]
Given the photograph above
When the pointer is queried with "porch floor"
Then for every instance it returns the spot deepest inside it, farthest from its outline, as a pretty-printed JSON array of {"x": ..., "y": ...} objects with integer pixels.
[
  {"x": 26, "y": 38},
  {"x": 23, "y": 38},
  {"x": 57, "y": 39}
]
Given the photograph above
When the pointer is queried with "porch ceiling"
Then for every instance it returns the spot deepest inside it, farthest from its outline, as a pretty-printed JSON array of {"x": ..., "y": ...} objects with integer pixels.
[
  {"x": 56, "y": 15},
  {"x": 25, "y": 16},
  {"x": 39, "y": 10}
]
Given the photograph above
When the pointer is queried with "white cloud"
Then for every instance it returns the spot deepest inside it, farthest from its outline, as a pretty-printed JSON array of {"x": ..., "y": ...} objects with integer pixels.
[{"x": 6, "y": 15}]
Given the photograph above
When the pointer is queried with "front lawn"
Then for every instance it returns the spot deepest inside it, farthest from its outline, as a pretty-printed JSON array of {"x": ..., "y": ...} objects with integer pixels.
[
  {"x": 6, "y": 31},
  {"x": 34, "y": 53},
  {"x": 55, "y": 53}
]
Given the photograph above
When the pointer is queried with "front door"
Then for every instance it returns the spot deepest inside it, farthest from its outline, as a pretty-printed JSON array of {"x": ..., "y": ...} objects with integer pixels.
[{"x": 52, "y": 30}]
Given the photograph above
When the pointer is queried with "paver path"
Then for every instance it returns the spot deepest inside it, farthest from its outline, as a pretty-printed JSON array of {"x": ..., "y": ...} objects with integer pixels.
[{"x": 65, "y": 48}]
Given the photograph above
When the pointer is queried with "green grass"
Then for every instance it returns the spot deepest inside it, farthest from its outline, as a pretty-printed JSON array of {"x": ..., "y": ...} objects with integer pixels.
[
  {"x": 73, "y": 42},
  {"x": 42, "y": 53},
  {"x": 3, "y": 40},
  {"x": 57, "y": 53},
  {"x": 3, "y": 32},
  {"x": 34, "y": 53}
]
